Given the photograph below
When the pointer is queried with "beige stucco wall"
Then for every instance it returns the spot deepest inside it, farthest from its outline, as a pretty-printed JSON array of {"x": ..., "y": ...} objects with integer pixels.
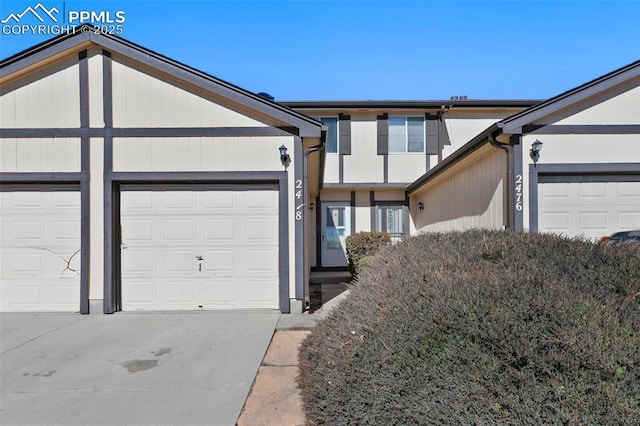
[
  {"x": 48, "y": 97},
  {"x": 363, "y": 165},
  {"x": 463, "y": 126},
  {"x": 405, "y": 168},
  {"x": 149, "y": 99},
  {"x": 469, "y": 195}
]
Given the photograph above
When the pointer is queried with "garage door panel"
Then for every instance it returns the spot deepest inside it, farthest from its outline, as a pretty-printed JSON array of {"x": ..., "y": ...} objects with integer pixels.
[
  {"x": 220, "y": 261},
  {"x": 179, "y": 292},
  {"x": 179, "y": 261},
  {"x": 40, "y": 255},
  {"x": 261, "y": 230},
  {"x": 220, "y": 200},
  {"x": 590, "y": 209},
  {"x": 207, "y": 237},
  {"x": 137, "y": 260},
  {"x": 220, "y": 292},
  {"x": 220, "y": 229}
]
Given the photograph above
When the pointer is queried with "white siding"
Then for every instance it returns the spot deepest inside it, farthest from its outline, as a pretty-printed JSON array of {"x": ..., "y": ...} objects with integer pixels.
[
  {"x": 144, "y": 100},
  {"x": 40, "y": 155},
  {"x": 49, "y": 97},
  {"x": 96, "y": 209},
  {"x": 199, "y": 154},
  {"x": 620, "y": 105},
  {"x": 463, "y": 126},
  {"x": 96, "y": 107},
  {"x": 469, "y": 196}
]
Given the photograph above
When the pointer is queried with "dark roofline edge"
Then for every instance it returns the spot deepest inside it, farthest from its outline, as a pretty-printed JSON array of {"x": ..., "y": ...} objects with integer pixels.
[
  {"x": 398, "y": 104},
  {"x": 94, "y": 37},
  {"x": 474, "y": 144}
]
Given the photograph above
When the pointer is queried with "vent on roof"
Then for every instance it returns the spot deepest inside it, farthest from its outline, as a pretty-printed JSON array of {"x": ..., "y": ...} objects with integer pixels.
[
  {"x": 463, "y": 98},
  {"x": 266, "y": 96},
  {"x": 454, "y": 98}
]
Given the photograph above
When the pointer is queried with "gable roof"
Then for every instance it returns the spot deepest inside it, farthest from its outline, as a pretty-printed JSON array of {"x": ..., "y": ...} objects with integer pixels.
[
  {"x": 87, "y": 35},
  {"x": 514, "y": 123}
]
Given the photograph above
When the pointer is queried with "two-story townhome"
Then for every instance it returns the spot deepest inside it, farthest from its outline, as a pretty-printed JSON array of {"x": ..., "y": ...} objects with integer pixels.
[
  {"x": 132, "y": 182},
  {"x": 375, "y": 149}
]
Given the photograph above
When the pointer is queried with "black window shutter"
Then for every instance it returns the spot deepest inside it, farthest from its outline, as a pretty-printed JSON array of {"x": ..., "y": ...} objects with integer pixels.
[
  {"x": 431, "y": 128},
  {"x": 443, "y": 134},
  {"x": 344, "y": 138},
  {"x": 383, "y": 134}
]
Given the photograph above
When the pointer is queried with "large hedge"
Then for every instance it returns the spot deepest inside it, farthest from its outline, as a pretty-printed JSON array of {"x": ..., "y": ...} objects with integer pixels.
[{"x": 482, "y": 327}]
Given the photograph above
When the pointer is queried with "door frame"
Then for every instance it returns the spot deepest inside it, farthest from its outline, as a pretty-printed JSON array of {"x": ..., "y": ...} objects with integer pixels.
[
  {"x": 575, "y": 172},
  {"x": 322, "y": 228}
]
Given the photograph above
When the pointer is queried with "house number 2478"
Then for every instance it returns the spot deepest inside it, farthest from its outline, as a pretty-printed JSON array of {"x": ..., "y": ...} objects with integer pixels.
[{"x": 299, "y": 205}]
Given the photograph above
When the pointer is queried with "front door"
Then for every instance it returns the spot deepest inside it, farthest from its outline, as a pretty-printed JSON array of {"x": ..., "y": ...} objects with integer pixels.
[{"x": 336, "y": 227}]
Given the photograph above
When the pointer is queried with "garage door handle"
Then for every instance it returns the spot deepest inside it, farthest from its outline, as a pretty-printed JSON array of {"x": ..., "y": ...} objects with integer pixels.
[
  {"x": 200, "y": 258},
  {"x": 124, "y": 247}
]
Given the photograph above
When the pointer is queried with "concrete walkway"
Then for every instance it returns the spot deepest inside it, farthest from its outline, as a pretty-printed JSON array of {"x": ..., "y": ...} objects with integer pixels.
[
  {"x": 133, "y": 369},
  {"x": 275, "y": 398}
]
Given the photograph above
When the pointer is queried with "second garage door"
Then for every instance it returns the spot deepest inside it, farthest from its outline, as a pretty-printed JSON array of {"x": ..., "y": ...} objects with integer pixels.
[
  {"x": 199, "y": 248},
  {"x": 40, "y": 249},
  {"x": 592, "y": 209}
]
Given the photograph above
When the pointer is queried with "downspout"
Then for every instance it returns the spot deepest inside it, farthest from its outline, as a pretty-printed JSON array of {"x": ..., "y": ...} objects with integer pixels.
[
  {"x": 307, "y": 227},
  {"x": 508, "y": 149}
]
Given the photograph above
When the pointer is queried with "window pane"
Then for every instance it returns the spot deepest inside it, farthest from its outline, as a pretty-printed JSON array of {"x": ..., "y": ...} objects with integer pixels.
[
  {"x": 332, "y": 134},
  {"x": 390, "y": 219},
  {"x": 397, "y": 134},
  {"x": 416, "y": 134}
]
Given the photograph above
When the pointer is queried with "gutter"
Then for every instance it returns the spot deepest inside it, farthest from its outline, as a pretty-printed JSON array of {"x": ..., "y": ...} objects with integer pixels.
[
  {"x": 303, "y": 293},
  {"x": 508, "y": 149}
]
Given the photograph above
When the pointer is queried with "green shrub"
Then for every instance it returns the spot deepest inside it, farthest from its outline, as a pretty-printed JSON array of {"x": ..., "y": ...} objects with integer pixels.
[
  {"x": 482, "y": 327},
  {"x": 363, "y": 245}
]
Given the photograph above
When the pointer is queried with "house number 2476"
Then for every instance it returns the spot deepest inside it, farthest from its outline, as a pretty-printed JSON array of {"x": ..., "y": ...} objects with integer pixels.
[
  {"x": 519, "y": 193},
  {"x": 299, "y": 205}
]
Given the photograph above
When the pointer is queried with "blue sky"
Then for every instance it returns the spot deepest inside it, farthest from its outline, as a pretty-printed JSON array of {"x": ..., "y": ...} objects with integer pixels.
[{"x": 355, "y": 50}]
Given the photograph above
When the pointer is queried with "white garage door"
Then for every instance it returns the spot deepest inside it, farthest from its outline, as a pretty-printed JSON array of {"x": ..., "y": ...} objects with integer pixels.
[
  {"x": 592, "y": 209},
  {"x": 40, "y": 237},
  {"x": 196, "y": 249}
]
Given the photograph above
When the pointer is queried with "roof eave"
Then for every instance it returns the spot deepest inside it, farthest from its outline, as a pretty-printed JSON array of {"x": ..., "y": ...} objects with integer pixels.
[
  {"x": 478, "y": 141},
  {"x": 307, "y": 126}
]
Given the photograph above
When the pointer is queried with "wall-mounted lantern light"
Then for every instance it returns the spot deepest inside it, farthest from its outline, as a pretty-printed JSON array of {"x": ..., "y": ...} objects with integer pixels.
[
  {"x": 534, "y": 152},
  {"x": 420, "y": 206},
  {"x": 284, "y": 157}
]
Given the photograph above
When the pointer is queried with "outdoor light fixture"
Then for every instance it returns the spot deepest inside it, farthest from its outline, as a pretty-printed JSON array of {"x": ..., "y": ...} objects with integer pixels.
[
  {"x": 420, "y": 206},
  {"x": 534, "y": 153},
  {"x": 284, "y": 157},
  {"x": 312, "y": 205}
]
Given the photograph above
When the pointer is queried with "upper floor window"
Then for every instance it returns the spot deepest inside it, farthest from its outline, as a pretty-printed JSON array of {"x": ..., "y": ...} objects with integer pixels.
[
  {"x": 406, "y": 134},
  {"x": 332, "y": 134}
]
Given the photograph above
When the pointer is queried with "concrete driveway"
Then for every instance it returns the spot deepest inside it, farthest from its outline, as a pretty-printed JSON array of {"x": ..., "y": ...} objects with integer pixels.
[{"x": 137, "y": 369}]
